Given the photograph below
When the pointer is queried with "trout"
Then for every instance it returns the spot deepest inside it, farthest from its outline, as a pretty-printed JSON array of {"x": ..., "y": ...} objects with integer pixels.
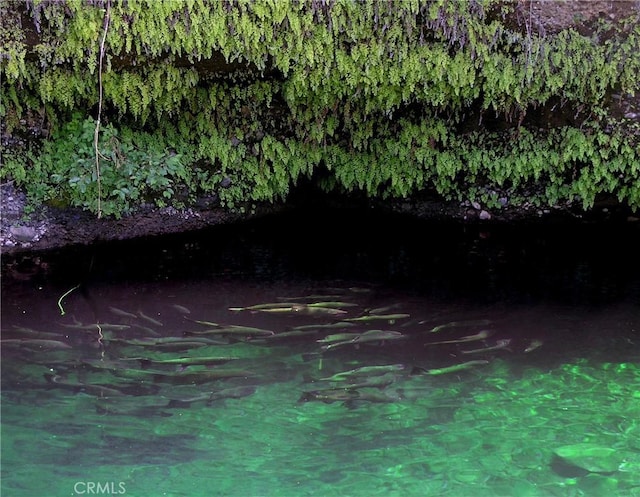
[
  {"x": 500, "y": 344},
  {"x": 452, "y": 369},
  {"x": 481, "y": 335}
]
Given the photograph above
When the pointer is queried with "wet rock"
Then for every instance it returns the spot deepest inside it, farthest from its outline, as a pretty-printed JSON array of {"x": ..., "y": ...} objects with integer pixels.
[
  {"x": 595, "y": 484},
  {"x": 590, "y": 457},
  {"x": 207, "y": 202},
  {"x": 23, "y": 234},
  {"x": 484, "y": 215}
]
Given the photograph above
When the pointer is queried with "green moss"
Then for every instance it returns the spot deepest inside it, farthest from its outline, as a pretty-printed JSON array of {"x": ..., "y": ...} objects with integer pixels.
[{"x": 379, "y": 93}]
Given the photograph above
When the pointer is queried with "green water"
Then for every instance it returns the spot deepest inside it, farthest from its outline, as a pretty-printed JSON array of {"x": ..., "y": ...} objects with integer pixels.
[
  {"x": 90, "y": 419},
  {"x": 94, "y": 404}
]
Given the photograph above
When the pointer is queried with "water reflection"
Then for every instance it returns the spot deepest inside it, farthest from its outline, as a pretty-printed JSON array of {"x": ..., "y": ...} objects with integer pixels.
[{"x": 324, "y": 361}]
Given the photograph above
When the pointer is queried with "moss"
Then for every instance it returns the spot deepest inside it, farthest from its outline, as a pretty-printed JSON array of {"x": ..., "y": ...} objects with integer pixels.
[{"x": 387, "y": 96}]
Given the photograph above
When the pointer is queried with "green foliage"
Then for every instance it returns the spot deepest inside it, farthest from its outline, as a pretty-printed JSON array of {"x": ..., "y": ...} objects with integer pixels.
[
  {"x": 379, "y": 93},
  {"x": 133, "y": 168},
  {"x": 12, "y": 56}
]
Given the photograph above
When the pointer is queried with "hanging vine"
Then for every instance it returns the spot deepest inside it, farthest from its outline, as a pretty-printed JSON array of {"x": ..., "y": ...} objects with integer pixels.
[{"x": 96, "y": 135}]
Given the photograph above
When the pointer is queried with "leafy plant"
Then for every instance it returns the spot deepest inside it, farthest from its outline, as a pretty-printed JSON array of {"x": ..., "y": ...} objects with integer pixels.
[{"x": 130, "y": 174}]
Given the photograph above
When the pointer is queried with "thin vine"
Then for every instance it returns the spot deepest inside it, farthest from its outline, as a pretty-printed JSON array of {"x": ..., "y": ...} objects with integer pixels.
[{"x": 96, "y": 135}]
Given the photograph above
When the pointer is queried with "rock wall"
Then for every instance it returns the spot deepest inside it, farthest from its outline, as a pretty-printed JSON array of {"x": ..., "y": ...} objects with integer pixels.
[{"x": 480, "y": 109}]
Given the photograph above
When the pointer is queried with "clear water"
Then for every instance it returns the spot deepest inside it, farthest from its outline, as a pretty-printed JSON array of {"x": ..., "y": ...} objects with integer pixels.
[{"x": 89, "y": 408}]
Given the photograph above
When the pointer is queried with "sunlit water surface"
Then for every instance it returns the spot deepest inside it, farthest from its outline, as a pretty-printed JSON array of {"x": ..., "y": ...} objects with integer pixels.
[{"x": 153, "y": 378}]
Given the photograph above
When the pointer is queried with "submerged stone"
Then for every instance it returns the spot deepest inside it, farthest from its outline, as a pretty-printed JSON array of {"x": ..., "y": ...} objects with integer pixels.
[
  {"x": 594, "y": 484},
  {"x": 593, "y": 458}
]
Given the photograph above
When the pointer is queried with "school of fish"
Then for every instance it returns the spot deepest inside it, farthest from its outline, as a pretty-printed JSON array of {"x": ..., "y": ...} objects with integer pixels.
[{"x": 345, "y": 351}]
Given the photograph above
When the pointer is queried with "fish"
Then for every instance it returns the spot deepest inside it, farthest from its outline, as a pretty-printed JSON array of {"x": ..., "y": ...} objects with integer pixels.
[
  {"x": 381, "y": 381},
  {"x": 319, "y": 311},
  {"x": 290, "y": 308},
  {"x": 186, "y": 345},
  {"x": 199, "y": 377},
  {"x": 234, "y": 330},
  {"x": 325, "y": 326},
  {"x": 36, "y": 343},
  {"x": 204, "y": 323},
  {"x": 293, "y": 333},
  {"x": 181, "y": 309},
  {"x": 107, "y": 364},
  {"x": 332, "y": 304},
  {"x": 143, "y": 411},
  {"x": 187, "y": 401},
  {"x": 481, "y": 335},
  {"x": 456, "y": 324},
  {"x": 449, "y": 369},
  {"x": 364, "y": 371},
  {"x": 310, "y": 310},
  {"x": 359, "y": 289},
  {"x": 337, "y": 337},
  {"x": 31, "y": 333},
  {"x": 309, "y": 329},
  {"x": 147, "y": 330},
  {"x": 170, "y": 343},
  {"x": 149, "y": 319},
  {"x": 328, "y": 396},
  {"x": 210, "y": 397},
  {"x": 500, "y": 344},
  {"x": 230, "y": 330},
  {"x": 263, "y": 307},
  {"x": 366, "y": 337},
  {"x": 232, "y": 393},
  {"x": 98, "y": 390},
  {"x": 347, "y": 395},
  {"x": 94, "y": 326},
  {"x": 533, "y": 345},
  {"x": 384, "y": 309},
  {"x": 378, "y": 317},
  {"x": 108, "y": 326},
  {"x": 152, "y": 341},
  {"x": 122, "y": 313},
  {"x": 179, "y": 377},
  {"x": 185, "y": 361}
]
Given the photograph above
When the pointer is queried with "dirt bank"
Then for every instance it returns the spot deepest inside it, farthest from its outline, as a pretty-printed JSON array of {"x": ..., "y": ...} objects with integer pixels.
[{"x": 50, "y": 228}]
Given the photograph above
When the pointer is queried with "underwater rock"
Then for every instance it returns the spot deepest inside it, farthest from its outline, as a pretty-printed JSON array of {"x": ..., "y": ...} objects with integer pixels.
[
  {"x": 594, "y": 484},
  {"x": 593, "y": 458}
]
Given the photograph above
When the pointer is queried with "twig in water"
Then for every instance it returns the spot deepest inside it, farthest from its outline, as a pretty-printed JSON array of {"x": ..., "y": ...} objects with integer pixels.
[{"x": 63, "y": 296}]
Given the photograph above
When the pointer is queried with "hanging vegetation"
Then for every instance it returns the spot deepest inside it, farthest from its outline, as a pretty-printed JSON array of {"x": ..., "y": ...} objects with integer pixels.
[{"x": 168, "y": 101}]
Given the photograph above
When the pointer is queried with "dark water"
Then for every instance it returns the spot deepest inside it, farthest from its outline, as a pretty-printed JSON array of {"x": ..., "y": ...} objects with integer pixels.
[{"x": 137, "y": 368}]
